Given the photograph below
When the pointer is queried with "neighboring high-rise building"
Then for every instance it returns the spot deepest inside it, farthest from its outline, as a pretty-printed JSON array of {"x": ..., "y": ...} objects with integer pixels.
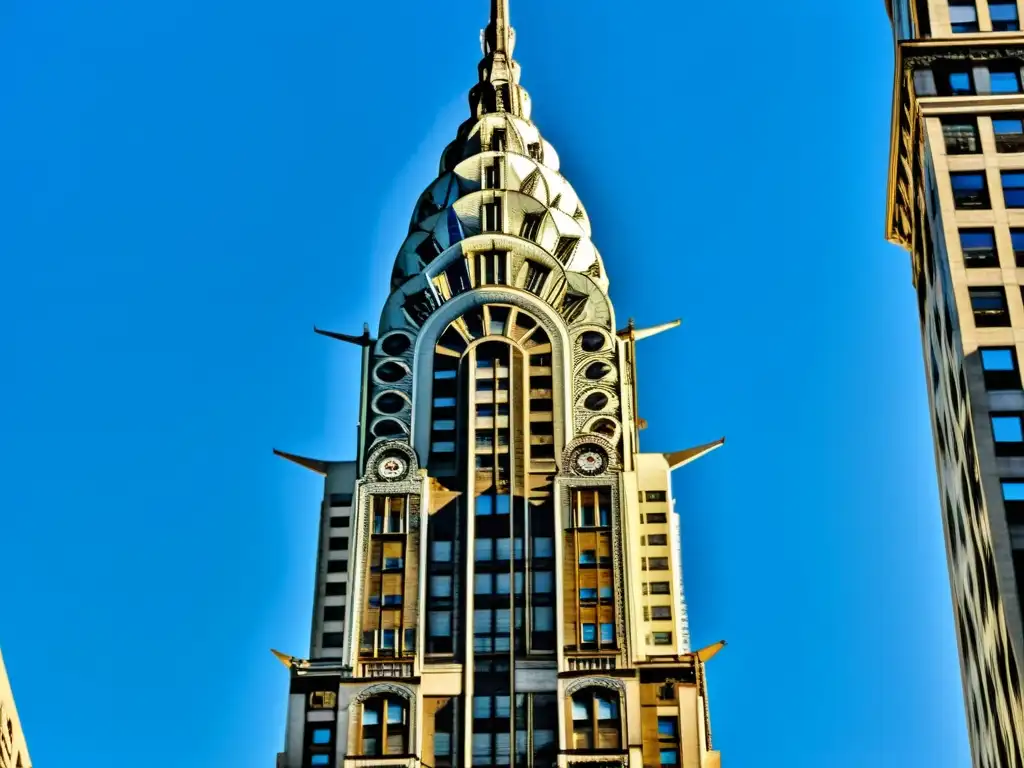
[
  {"x": 956, "y": 202},
  {"x": 499, "y": 578},
  {"x": 13, "y": 749}
]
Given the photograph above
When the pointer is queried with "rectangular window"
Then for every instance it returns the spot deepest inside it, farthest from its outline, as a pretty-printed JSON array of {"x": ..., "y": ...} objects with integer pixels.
[
  {"x": 1000, "y": 367},
  {"x": 969, "y": 190},
  {"x": 668, "y": 727},
  {"x": 341, "y": 499},
  {"x": 1008, "y": 434},
  {"x": 338, "y": 543},
  {"x": 441, "y": 551},
  {"x": 1005, "y": 80},
  {"x": 655, "y": 495},
  {"x": 409, "y": 640},
  {"x": 1009, "y": 131},
  {"x": 334, "y": 613},
  {"x": 607, "y": 634},
  {"x": 498, "y": 140},
  {"x": 392, "y": 563},
  {"x": 657, "y": 539},
  {"x": 439, "y": 623},
  {"x": 588, "y": 557},
  {"x": 536, "y": 275},
  {"x": 336, "y": 588},
  {"x": 543, "y": 582},
  {"x": 660, "y": 588},
  {"x": 322, "y": 736},
  {"x": 387, "y": 639},
  {"x": 342, "y": 521},
  {"x": 491, "y": 268},
  {"x": 592, "y": 508},
  {"x": 440, "y": 586},
  {"x": 491, "y": 216},
  {"x": 318, "y": 760},
  {"x": 492, "y": 175},
  {"x": 543, "y": 546},
  {"x": 1013, "y": 188},
  {"x": 669, "y": 757},
  {"x": 1017, "y": 238},
  {"x": 963, "y": 16},
  {"x": 979, "y": 248},
  {"x": 961, "y": 83},
  {"x": 337, "y": 566},
  {"x": 543, "y": 619},
  {"x": 961, "y": 135},
  {"x": 661, "y": 638},
  {"x": 656, "y": 517},
  {"x": 657, "y": 563},
  {"x": 661, "y": 612},
  {"x": 333, "y": 639},
  {"x": 589, "y": 633},
  {"x": 1013, "y": 501},
  {"x": 1004, "y": 15},
  {"x": 531, "y": 226},
  {"x": 989, "y": 307}
]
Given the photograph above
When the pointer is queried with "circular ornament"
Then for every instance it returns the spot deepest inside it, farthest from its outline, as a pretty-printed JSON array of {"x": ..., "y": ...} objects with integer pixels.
[
  {"x": 589, "y": 460},
  {"x": 392, "y": 467}
]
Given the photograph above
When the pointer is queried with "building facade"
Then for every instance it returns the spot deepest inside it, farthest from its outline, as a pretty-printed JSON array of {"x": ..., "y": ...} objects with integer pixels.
[
  {"x": 13, "y": 749},
  {"x": 499, "y": 579},
  {"x": 956, "y": 203}
]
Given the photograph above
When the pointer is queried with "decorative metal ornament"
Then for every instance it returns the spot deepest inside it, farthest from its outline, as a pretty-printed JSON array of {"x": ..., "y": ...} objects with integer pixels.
[
  {"x": 392, "y": 467},
  {"x": 589, "y": 460}
]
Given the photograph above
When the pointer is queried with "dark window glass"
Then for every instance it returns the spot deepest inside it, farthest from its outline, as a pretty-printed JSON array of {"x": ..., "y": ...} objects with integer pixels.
[
  {"x": 337, "y": 566},
  {"x": 1009, "y": 132},
  {"x": 961, "y": 135},
  {"x": 334, "y": 613},
  {"x": 662, "y": 638},
  {"x": 656, "y": 517},
  {"x": 341, "y": 499},
  {"x": 989, "y": 307},
  {"x": 1017, "y": 238},
  {"x": 339, "y": 542},
  {"x": 655, "y": 495},
  {"x": 333, "y": 639},
  {"x": 657, "y": 539},
  {"x": 1000, "y": 367},
  {"x": 1013, "y": 188},
  {"x": 660, "y": 588},
  {"x": 969, "y": 190},
  {"x": 342, "y": 521},
  {"x": 657, "y": 563},
  {"x": 1004, "y": 15},
  {"x": 979, "y": 248},
  {"x": 336, "y": 588}
]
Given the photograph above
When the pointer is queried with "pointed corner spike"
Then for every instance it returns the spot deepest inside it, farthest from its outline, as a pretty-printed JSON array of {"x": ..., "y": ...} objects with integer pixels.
[
  {"x": 631, "y": 331},
  {"x": 706, "y": 653},
  {"x": 314, "y": 465},
  {"x": 359, "y": 341},
  {"x": 284, "y": 658},
  {"x": 682, "y": 458}
]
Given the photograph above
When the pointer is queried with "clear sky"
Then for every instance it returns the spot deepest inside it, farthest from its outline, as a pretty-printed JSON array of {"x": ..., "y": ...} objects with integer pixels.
[{"x": 189, "y": 185}]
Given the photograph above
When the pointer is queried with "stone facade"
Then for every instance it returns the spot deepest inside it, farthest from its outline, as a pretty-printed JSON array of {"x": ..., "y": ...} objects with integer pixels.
[
  {"x": 499, "y": 579},
  {"x": 957, "y": 153}
]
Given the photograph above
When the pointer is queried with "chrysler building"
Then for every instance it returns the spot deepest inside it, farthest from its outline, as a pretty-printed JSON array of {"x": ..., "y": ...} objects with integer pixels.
[{"x": 499, "y": 578}]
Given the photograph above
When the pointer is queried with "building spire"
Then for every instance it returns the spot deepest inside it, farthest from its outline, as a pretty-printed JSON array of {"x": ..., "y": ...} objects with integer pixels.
[
  {"x": 499, "y": 37},
  {"x": 498, "y": 89}
]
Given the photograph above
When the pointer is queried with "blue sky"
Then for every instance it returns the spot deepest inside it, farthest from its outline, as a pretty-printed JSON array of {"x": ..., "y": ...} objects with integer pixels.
[{"x": 189, "y": 186}]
